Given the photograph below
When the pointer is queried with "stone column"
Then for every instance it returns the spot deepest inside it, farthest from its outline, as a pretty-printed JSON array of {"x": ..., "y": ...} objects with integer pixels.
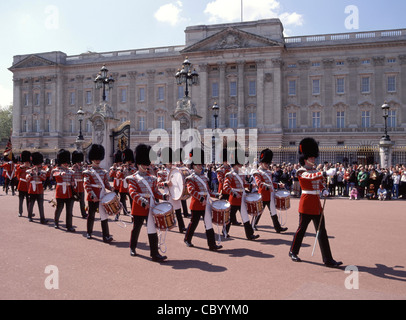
[
  {"x": 260, "y": 94},
  {"x": 151, "y": 100},
  {"x": 204, "y": 93},
  {"x": 385, "y": 152},
  {"x": 241, "y": 94},
  {"x": 17, "y": 106},
  {"x": 222, "y": 95}
]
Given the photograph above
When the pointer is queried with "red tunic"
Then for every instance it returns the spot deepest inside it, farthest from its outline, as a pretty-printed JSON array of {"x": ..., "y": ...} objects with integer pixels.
[
  {"x": 35, "y": 181},
  {"x": 311, "y": 182},
  {"x": 221, "y": 176},
  {"x": 263, "y": 178},
  {"x": 64, "y": 182},
  {"x": 21, "y": 174},
  {"x": 233, "y": 185},
  {"x": 78, "y": 179},
  {"x": 139, "y": 192},
  {"x": 92, "y": 183},
  {"x": 197, "y": 190}
]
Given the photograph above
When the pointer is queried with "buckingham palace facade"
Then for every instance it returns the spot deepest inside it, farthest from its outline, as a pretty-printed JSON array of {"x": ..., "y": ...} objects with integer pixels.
[{"x": 331, "y": 87}]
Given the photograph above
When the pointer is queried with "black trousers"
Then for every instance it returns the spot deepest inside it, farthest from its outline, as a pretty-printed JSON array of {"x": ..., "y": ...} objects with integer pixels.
[
  {"x": 39, "y": 198},
  {"x": 304, "y": 220},
  {"x": 60, "y": 204},
  {"x": 21, "y": 196}
]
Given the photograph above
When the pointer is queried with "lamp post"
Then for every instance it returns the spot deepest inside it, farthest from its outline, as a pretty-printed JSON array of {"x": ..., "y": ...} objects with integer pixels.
[
  {"x": 216, "y": 111},
  {"x": 187, "y": 76},
  {"x": 385, "y": 110},
  {"x": 81, "y": 116},
  {"x": 103, "y": 80},
  {"x": 386, "y": 145}
]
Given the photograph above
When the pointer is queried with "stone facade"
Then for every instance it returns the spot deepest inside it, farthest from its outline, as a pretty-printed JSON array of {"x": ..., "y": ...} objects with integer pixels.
[{"x": 330, "y": 87}]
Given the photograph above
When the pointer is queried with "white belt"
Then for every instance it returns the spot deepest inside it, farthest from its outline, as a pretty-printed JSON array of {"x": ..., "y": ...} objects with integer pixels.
[
  {"x": 34, "y": 185},
  {"x": 23, "y": 180},
  {"x": 316, "y": 192},
  {"x": 64, "y": 186}
]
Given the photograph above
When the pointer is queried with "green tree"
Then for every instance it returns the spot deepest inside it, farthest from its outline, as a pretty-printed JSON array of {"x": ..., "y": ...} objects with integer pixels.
[{"x": 6, "y": 121}]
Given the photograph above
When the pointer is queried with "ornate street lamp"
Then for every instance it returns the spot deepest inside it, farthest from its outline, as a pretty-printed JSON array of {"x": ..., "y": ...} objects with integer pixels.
[
  {"x": 385, "y": 110},
  {"x": 81, "y": 117},
  {"x": 103, "y": 80},
  {"x": 216, "y": 111},
  {"x": 187, "y": 76}
]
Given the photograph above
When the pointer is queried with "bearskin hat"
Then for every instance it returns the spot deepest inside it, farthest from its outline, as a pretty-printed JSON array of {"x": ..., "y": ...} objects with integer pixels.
[
  {"x": 37, "y": 158},
  {"x": 25, "y": 156},
  {"x": 63, "y": 156},
  {"x": 308, "y": 148},
  {"x": 142, "y": 155},
  {"x": 118, "y": 157},
  {"x": 167, "y": 155},
  {"x": 266, "y": 156},
  {"x": 128, "y": 156},
  {"x": 77, "y": 157},
  {"x": 97, "y": 152},
  {"x": 197, "y": 156}
]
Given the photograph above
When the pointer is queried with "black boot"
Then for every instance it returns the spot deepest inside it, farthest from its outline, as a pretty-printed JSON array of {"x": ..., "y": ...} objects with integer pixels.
[
  {"x": 277, "y": 225},
  {"x": 107, "y": 238},
  {"x": 181, "y": 223},
  {"x": 135, "y": 233},
  {"x": 153, "y": 244},
  {"x": 211, "y": 240},
  {"x": 249, "y": 231}
]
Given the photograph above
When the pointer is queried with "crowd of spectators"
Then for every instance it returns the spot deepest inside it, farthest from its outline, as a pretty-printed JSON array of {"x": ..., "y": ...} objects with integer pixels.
[{"x": 342, "y": 180}]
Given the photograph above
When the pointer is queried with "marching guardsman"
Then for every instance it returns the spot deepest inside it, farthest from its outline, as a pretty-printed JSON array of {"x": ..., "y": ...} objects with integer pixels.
[
  {"x": 77, "y": 168},
  {"x": 198, "y": 188},
  {"x": 35, "y": 178},
  {"x": 21, "y": 174},
  {"x": 310, "y": 209},
  {"x": 9, "y": 169},
  {"x": 118, "y": 161},
  {"x": 163, "y": 182},
  {"x": 143, "y": 189},
  {"x": 221, "y": 176},
  {"x": 64, "y": 189},
  {"x": 127, "y": 169},
  {"x": 266, "y": 187},
  {"x": 96, "y": 181},
  {"x": 235, "y": 186}
]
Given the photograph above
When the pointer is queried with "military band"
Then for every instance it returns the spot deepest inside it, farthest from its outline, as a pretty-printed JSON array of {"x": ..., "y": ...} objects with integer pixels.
[{"x": 141, "y": 183}]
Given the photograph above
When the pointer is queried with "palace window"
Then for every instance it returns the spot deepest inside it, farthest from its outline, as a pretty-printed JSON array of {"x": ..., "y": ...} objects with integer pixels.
[
  {"x": 141, "y": 123},
  {"x": 340, "y": 120},
  {"x": 391, "y": 83},
  {"x": 316, "y": 120},
  {"x": 365, "y": 85},
  {"x": 292, "y": 87},
  {"x": 292, "y": 120},
  {"x": 233, "y": 120},
  {"x": 316, "y": 86},
  {"x": 252, "y": 88},
  {"x": 252, "y": 120},
  {"x": 215, "y": 90},
  {"x": 340, "y": 85},
  {"x": 233, "y": 89},
  {"x": 366, "y": 119},
  {"x": 392, "y": 119}
]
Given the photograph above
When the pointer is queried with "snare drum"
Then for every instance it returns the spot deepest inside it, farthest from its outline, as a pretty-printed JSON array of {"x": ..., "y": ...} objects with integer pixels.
[
  {"x": 111, "y": 203},
  {"x": 282, "y": 200},
  {"x": 178, "y": 190},
  {"x": 164, "y": 216},
  {"x": 221, "y": 212},
  {"x": 255, "y": 206}
]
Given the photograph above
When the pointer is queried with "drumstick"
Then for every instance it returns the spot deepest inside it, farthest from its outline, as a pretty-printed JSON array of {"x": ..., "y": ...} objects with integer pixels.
[{"x": 318, "y": 230}]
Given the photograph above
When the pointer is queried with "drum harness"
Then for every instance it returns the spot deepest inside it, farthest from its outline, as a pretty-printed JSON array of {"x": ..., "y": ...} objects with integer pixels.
[
  {"x": 162, "y": 242},
  {"x": 280, "y": 217}
]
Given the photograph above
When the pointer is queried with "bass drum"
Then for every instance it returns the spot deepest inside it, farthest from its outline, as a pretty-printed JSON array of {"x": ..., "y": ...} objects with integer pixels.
[{"x": 178, "y": 189}]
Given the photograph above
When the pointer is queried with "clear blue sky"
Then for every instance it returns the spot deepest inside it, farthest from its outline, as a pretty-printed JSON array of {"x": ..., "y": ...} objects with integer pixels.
[{"x": 74, "y": 27}]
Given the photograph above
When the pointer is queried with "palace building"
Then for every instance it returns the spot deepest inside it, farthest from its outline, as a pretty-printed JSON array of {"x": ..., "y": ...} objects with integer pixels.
[{"x": 329, "y": 86}]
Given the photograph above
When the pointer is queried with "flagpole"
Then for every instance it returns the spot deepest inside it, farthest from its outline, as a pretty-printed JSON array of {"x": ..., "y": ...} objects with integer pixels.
[{"x": 242, "y": 10}]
